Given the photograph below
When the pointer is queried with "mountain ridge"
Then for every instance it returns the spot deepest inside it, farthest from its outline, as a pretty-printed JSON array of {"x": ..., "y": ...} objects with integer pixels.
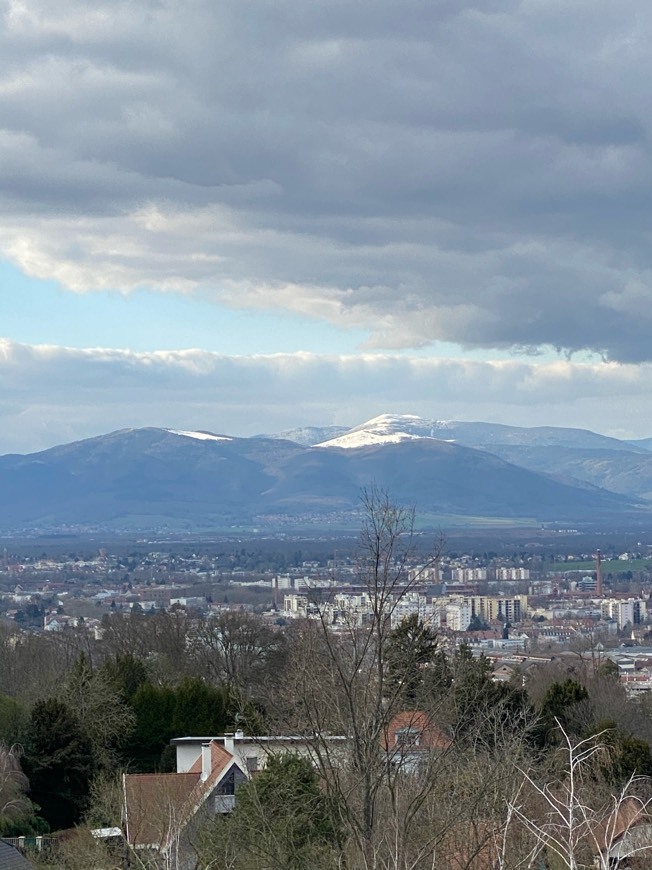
[{"x": 180, "y": 478}]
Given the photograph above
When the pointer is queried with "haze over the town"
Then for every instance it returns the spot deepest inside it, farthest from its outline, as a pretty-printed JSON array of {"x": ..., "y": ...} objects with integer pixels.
[{"x": 245, "y": 217}]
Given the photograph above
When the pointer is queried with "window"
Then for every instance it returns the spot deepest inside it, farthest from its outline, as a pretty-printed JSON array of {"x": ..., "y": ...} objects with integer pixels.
[{"x": 408, "y": 737}]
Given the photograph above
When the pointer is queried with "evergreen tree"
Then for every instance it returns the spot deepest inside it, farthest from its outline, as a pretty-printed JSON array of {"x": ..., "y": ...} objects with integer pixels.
[
  {"x": 282, "y": 821},
  {"x": 410, "y": 649},
  {"x": 13, "y": 721},
  {"x": 557, "y": 708},
  {"x": 193, "y": 708},
  {"x": 59, "y": 763},
  {"x": 626, "y": 755},
  {"x": 483, "y": 710},
  {"x": 126, "y": 674}
]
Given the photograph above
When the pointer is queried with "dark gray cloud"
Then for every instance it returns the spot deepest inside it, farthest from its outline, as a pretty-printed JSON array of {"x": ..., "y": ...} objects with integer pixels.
[
  {"x": 52, "y": 395},
  {"x": 477, "y": 172}
]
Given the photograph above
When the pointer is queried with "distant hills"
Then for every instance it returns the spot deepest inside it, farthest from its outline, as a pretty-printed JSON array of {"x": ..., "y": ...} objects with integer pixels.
[{"x": 454, "y": 473}]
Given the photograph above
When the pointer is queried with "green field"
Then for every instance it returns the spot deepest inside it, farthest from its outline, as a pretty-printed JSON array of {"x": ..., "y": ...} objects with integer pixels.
[
  {"x": 612, "y": 566},
  {"x": 425, "y": 520}
]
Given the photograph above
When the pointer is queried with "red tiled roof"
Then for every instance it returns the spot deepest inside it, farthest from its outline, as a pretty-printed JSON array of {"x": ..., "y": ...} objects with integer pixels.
[
  {"x": 155, "y": 803},
  {"x": 220, "y": 759},
  {"x": 430, "y": 737}
]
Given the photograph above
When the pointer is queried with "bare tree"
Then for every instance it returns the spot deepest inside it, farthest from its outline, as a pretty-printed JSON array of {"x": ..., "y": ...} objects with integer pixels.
[
  {"x": 101, "y": 712},
  {"x": 338, "y": 682},
  {"x": 14, "y": 803},
  {"x": 236, "y": 650},
  {"x": 573, "y": 822}
]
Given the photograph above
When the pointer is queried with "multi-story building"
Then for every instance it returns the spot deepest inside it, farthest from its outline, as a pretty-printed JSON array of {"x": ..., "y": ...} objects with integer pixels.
[
  {"x": 425, "y": 575},
  {"x": 427, "y": 608},
  {"x": 458, "y": 615},
  {"x": 490, "y": 607},
  {"x": 296, "y": 605},
  {"x": 468, "y": 575},
  {"x": 512, "y": 573},
  {"x": 630, "y": 611}
]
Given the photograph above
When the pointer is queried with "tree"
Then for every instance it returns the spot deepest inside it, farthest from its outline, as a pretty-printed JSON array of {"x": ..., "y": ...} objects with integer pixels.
[
  {"x": 485, "y": 712},
  {"x": 16, "y": 810},
  {"x": 13, "y": 721},
  {"x": 126, "y": 674},
  {"x": 410, "y": 649},
  {"x": 237, "y": 650},
  {"x": 163, "y": 712},
  {"x": 59, "y": 763},
  {"x": 282, "y": 821},
  {"x": 576, "y": 827},
  {"x": 346, "y": 684},
  {"x": 609, "y": 669},
  {"x": 477, "y": 624},
  {"x": 558, "y": 706},
  {"x": 626, "y": 756},
  {"x": 102, "y": 713},
  {"x": 153, "y": 708}
]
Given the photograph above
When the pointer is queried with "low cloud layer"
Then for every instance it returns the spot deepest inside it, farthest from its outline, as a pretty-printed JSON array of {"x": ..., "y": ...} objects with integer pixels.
[
  {"x": 475, "y": 171},
  {"x": 52, "y": 395}
]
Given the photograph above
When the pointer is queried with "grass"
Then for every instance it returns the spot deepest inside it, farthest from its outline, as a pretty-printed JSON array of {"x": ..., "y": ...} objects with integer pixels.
[
  {"x": 610, "y": 566},
  {"x": 452, "y": 521}
]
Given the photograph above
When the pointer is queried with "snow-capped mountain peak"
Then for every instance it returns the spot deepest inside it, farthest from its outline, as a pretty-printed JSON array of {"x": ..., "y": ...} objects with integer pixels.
[
  {"x": 389, "y": 422},
  {"x": 365, "y": 438},
  {"x": 386, "y": 429}
]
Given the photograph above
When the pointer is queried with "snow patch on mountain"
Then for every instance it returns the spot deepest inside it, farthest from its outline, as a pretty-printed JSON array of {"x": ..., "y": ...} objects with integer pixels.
[
  {"x": 353, "y": 440},
  {"x": 388, "y": 429},
  {"x": 199, "y": 436}
]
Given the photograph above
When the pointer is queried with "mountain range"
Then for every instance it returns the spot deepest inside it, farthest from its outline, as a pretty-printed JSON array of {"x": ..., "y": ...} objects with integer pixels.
[{"x": 453, "y": 472}]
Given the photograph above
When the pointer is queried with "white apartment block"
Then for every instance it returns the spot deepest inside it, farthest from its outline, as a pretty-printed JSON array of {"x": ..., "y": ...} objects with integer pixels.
[
  {"x": 512, "y": 573},
  {"x": 427, "y": 609},
  {"x": 468, "y": 575},
  {"x": 425, "y": 575},
  {"x": 458, "y": 616},
  {"x": 295, "y": 605},
  {"x": 631, "y": 611}
]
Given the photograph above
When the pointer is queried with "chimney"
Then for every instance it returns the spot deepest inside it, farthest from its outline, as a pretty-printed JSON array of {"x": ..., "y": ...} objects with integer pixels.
[
  {"x": 206, "y": 761},
  {"x": 228, "y": 743},
  {"x": 598, "y": 577}
]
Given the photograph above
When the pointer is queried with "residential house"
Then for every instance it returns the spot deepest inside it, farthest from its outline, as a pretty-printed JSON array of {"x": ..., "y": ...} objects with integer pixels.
[
  {"x": 624, "y": 838},
  {"x": 159, "y": 808},
  {"x": 411, "y": 737},
  {"x": 250, "y": 753}
]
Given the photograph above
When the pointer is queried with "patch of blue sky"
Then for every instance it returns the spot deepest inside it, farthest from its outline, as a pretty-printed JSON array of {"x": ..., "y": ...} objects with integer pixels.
[{"x": 34, "y": 311}]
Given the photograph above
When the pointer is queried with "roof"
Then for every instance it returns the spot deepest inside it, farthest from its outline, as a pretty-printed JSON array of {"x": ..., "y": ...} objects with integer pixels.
[
  {"x": 220, "y": 760},
  {"x": 259, "y": 739},
  {"x": 155, "y": 803},
  {"x": 419, "y": 723},
  {"x": 158, "y": 804},
  {"x": 618, "y": 826},
  {"x": 11, "y": 859}
]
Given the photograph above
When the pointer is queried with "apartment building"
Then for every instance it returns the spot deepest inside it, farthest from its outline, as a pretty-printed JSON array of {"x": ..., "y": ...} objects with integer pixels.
[
  {"x": 489, "y": 607},
  {"x": 630, "y": 611}
]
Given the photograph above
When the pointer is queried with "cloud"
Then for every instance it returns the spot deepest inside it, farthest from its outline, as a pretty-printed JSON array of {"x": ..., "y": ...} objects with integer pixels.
[
  {"x": 476, "y": 172},
  {"x": 52, "y": 394}
]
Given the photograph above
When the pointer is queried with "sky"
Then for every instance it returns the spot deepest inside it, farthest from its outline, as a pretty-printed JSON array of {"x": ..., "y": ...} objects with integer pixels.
[{"x": 245, "y": 217}]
